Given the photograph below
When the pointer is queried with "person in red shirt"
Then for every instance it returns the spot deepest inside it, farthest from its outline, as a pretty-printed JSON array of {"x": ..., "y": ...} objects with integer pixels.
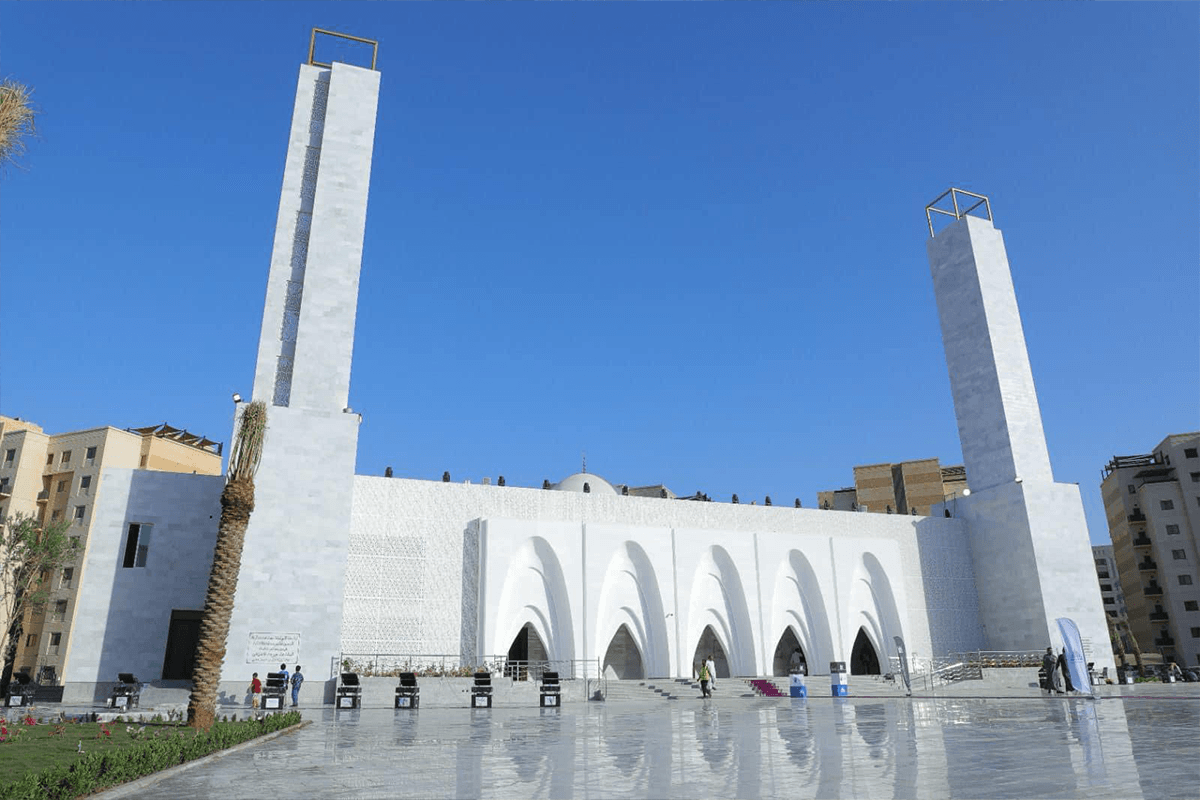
[{"x": 255, "y": 691}]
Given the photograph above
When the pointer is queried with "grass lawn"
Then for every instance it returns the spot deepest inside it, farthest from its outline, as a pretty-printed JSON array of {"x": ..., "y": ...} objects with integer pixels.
[
  {"x": 68, "y": 759},
  {"x": 33, "y": 748}
]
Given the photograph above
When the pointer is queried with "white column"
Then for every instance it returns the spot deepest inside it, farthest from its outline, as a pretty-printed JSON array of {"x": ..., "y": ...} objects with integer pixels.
[
  {"x": 1028, "y": 535},
  {"x": 294, "y": 561}
]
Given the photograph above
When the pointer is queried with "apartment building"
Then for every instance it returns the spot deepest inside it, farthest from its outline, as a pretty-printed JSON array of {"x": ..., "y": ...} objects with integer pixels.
[
  {"x": 1152, "y": 502},
  {"x": 909, "y": 487},
  {"x": 1110, "y": 582},
  {"x": 60, "y": 477}
]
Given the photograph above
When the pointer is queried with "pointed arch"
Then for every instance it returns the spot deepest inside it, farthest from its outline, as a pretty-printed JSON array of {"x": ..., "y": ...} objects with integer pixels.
[
  {"x": 864, "y": 657},
  {"x": 718, "y": 601},
  {"x": 624, "y": 656},
  {"x": 630, "y": 598},
  {"x": 535, "y": 594},
  {"x": 873, "y": 609},
  {"x": 788, "y": 644},
  {"x": 710, "y": 644},
  {"x": 799, "y": 604}
]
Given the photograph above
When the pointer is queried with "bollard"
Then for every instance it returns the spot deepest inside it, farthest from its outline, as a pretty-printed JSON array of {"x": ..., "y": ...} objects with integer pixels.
[
  {"x": 797, "y": 687},
  {"x": 837, "y": 679}
]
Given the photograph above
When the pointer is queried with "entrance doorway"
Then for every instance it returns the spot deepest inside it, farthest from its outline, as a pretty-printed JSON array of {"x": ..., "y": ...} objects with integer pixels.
[
  {"x": 710, "y": 645},
  {"x": 527, "y": 648},
  {"x": 788, "y": 644},
  {"x": 863, "y": 658},
  {"x": 623, "y": 656},
  {"x": 182, "y": 638}
]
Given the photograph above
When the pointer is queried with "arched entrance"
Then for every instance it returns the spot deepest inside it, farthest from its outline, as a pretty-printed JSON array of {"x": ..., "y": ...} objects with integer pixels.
[
  {"x": 710, "y": 645},
  {"x": 623, "y": 656},
  {"x": 527, "y": 647},
  {"x": 788, "y": 644},
  {"x": 863, "y": 659}
]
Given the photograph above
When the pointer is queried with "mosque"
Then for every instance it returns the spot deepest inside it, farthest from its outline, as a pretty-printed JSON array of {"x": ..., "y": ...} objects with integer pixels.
[{"x": 338, "y": 565}]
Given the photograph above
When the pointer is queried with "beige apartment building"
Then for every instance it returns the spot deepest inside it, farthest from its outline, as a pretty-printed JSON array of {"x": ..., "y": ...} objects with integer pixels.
[
  {"x": 1152, "y": 502},
  {"x": 59, "y": 477},
  {"x": 910, "y": 487}
]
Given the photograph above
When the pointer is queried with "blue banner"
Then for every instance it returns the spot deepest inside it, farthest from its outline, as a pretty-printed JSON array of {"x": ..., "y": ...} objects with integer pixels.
[{"x": 1076, "y": 661}]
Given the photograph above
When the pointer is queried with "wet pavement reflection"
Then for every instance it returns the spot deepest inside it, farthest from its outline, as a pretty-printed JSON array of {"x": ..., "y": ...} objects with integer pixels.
[{"x": 817, "y": 748}]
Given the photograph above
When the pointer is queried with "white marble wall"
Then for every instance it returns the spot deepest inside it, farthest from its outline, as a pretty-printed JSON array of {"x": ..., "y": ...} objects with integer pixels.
[
  {"x": 578, "y": 566},
  {"x": 122, "y": 615}
]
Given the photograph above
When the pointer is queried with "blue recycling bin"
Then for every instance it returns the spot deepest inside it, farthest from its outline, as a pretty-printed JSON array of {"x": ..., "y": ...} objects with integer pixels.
[
  {"x": 837, "y": 679},
  {"x": 797, "y": 688}
]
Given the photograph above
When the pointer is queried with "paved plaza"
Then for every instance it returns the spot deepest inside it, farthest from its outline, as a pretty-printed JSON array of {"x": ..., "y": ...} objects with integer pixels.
[{"x": 1142, "y": 744}]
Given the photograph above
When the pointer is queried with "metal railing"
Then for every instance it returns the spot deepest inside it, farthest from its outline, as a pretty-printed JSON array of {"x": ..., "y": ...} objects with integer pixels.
[{"x": 390, "y": 665}]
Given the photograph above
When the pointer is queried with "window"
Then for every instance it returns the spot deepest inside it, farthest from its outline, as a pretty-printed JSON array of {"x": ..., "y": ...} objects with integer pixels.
[
  {"x": 1106, "y": 587},
  {"x": 85, "y": 484},
  {"x": 90, "y": 456},
  {"x": 60, "y": 611},
  {"x": 1102, "y": 573},
  {"x": 1196, "y": 633},
  {"x": 66, "y": 458},
  {"x": 1191, "y": 605},
  {"x": 1108, "y": 601},
  {"x": 31, "y": 640},
  {"x": 80, "y": 512},
  {"x": 1189, "y": 452},
  {"x": 1132, "y": 490},
  {"x": 1172, "y": 530},
  {"x": 55, "y": 641},
  {"x": 62, "y": 486},
  {"x": 68, "y": 577},
  {"x": 1195, "y": 475},
  {"x": 1185, "y": 580},
  {"x": 74, "y": 544},
  {"x": 137, "y": 545},
  {"x": 1166, "y": 505},
  {"x": 49, "y": 459},
  {"x": 10, "y": 456},
  {"x": 1101, "y": 562},
  {"x": 56, "y": 515},
  {"x": 1179, "y": 555}
]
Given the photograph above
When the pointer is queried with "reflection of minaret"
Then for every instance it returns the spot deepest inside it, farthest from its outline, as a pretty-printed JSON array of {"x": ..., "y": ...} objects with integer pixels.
[
  {"x": 1028, "y": 536},
  {"x": 294, "y": 560}
]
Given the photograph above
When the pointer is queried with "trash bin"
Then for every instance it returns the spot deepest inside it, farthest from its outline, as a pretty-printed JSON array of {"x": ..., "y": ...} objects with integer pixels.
[
  {"x": 21, "y": 690},
  {"x": 481, "y": 692},
  {"x": 273, "y": 692},
  {"x": 127, "y": 693},
  {"x": 349, "y": 691},
  {"x": 408, "y": 694},
  {"x": 551, "y": 694},
  {"x": 797, "y": 687},
  {"x": 837, "y": 679}
]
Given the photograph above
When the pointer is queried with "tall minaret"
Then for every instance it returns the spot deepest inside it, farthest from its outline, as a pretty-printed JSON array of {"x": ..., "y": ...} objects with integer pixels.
[
  {"x": 1028, "y": 535},
  {"x": 289, "y": 595}
]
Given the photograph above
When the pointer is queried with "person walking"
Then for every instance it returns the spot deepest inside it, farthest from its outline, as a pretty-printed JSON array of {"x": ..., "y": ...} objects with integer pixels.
[
  {"x": 1050, "y": 667},
  {"x": 297, "y": 681},
  {"x": 704, "y": 678},
  {"x": 712, "y": 674},
  {"x": 255, "y": 691}
]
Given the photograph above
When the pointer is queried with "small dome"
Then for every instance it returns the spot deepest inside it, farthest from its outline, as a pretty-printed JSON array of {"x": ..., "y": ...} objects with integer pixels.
[{"x": 575, "y": 483}]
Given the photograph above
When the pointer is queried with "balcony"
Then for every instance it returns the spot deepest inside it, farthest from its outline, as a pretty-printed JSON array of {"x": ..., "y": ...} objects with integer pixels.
[
  {"x": 1148, "y": 564},
  {"x": 1167, "y": 642},
  {"x": 1137, "y": 517},
  {"x": 1158, "y": 616},
  {"x": 5, "y": 489},
  {"x": 1152, "y": 589},
  {"x": 43, "y": 496},
  {"x": 1141, "y": 540}
]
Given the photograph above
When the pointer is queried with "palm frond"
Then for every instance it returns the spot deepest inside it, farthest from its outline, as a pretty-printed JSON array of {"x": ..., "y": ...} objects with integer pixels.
[
  {"x": 18, "y": 118},
  {"x": 248, "y": 446}
]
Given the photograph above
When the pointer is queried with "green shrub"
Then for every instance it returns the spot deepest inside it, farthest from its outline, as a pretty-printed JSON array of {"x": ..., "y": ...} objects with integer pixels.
[{"x": 96, "y": 771}]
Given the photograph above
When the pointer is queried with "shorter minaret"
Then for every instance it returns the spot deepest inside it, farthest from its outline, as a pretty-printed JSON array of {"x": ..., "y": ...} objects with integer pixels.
[
  {"x": 1028, "y": 534},
  {"x": 288, "y": 606}
]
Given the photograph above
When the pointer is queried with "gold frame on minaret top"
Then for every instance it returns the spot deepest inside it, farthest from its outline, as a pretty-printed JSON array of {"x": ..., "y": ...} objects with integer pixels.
[{"x": 312, "y": 46}]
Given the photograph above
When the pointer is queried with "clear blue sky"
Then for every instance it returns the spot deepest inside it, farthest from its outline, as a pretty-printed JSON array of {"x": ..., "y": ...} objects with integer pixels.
[{"x": 687, "y": 239}]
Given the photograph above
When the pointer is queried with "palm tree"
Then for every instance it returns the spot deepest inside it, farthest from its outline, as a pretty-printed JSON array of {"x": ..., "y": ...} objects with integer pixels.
[
  {"x": 17, "y": 120},
  {"x": 237, "y": 501}
]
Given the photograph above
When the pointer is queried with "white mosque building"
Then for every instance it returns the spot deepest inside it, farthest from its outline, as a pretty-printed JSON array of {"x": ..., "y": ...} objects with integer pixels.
[{"x": 338, "y": 565}]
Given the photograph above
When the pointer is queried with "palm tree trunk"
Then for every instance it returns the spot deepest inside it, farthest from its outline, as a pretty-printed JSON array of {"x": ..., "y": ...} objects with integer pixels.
[{"x": 237, "y": 502}]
